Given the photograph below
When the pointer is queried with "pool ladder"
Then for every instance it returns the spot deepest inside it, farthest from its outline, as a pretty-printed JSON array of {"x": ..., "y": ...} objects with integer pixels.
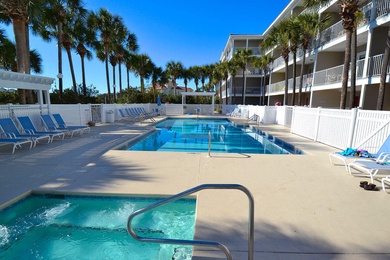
[{"x": 220, "y": 246}]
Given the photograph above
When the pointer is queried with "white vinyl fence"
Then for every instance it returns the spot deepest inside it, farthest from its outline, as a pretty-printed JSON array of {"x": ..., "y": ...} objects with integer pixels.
[
  {"x": 364, "y": 129},
  {"x": 355, "y": 128}
]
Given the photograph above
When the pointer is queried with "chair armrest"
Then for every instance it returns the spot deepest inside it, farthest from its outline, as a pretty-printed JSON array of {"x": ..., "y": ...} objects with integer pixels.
[{"x": 11, "y": 135}]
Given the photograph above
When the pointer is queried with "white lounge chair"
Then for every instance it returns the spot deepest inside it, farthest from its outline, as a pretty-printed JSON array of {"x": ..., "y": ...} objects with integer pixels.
[
  {"x": 382, "y": 163},
  {"x": 345, "y": 159},
  {"x": 387, "y": 179}
]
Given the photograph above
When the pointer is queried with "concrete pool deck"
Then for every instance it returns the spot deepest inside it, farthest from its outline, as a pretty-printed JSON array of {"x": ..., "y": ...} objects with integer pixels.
[{"x": 305, "y": 208}]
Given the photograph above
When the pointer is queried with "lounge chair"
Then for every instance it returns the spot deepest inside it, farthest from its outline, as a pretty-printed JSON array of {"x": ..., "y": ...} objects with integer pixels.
[
  {"x": 348, "y": 154},
  {"x": 61, "y": 123},
  {"x": 30, "y": 128},
  {"x": 10, "y": 129},
  {"x": 50, "y": 125},
  {"x": 382, "y": 163},
  {"x": 235, "y": 112},
  {"x": 147, "y": 114},
  {"x": 132, "y": 114},
  {"x": 387, "y": 179},
  {"x": 15, "y": 142}
]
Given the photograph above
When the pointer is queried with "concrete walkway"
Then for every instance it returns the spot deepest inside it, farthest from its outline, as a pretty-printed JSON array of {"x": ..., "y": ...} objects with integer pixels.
[{"x": 305, "y": 208}]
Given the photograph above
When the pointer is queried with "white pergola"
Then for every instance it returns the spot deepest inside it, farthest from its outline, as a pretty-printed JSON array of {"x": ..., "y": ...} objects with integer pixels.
[
  {"x": 199, "y": 94},
  {"x": 42, "y": 85}
]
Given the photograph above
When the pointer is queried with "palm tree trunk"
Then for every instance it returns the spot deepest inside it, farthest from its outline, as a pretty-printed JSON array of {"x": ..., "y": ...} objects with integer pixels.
[
  {"x": 128, "y": 78},
  {"x": 59, "y": 50},
  {"x": 243, "y": 86},
  {"x": 347, "y": 59},
  {"x": 120, "y": 77},
  {"x": 29, "y": 92},
  {"x": 108, "y": 79},
  {"x": 113, "y": 83},
  {"x": 141, "y": 79},
  {"x": 226, "y": 91},
  {"x": 382, "y": 83},
  {"x": 72, "y": 70},
  {"x": 294, "y": 76},
  {"x": 285, "y": 99},
  {"x": 262, "y": 82},
  {"x": 301, "y": 78},
  {"x": 353, "y": 70},
  {"x": 21, "y": 52},
  {"x": 83, "y": 75}
]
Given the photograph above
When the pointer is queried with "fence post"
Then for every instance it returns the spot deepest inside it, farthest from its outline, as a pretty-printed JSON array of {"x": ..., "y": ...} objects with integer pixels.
[
  {"x": 352, "y": 126},
  {"x": 317, "y": 126}
]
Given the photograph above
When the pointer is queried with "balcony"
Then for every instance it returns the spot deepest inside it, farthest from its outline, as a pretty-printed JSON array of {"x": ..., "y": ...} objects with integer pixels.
[{"x": 332, "y": 76}]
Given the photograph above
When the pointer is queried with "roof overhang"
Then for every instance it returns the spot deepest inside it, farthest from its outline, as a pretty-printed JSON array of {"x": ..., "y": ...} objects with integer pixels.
[
  {"x": 203, "y": 94},
  {"x": 9, "y": 79}
]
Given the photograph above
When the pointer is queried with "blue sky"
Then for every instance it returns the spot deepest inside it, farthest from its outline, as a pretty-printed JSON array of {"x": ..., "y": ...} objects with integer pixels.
[{"x": 192, "y": 32}]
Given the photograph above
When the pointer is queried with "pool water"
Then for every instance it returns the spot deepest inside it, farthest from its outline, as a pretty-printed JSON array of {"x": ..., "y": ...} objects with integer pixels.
[
  {"x": 192, "y": 135},
  {"x": 74, "y": 227}
]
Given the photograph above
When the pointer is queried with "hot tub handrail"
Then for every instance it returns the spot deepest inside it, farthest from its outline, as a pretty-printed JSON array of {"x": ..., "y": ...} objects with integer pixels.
[{"x": 222, "y": 247}]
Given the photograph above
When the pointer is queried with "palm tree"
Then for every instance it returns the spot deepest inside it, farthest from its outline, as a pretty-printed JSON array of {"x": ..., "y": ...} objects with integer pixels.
[
  {"x": 129, "y": 59},
  {"x": 131, "y": 48},
  {"x": 56, "y": 15},
  {"x": 158, "y": 77},
  {"x": 8, "y": 59},
  {"x": 263, "y": 63},
  {"x": 73, "y": 20},
  {"x": 242, "y": 57},
  {"x": 174, "y": 70},
  {"x": 348, "y": 10},
  {"x": 129, "y": 45},
  {"x": 294, "y": 37},
  {"x": 143, "y": 67},
  {"x": 186, "y": 75},
  {"x": 233, "y": 69},
  {"x": 279, "y": 36},
  {"x": 113, "y": 61},
  {"x": 17, "y": 11},
  {"x": 223, "y": 70},
  {"x": 382, "y": 82},
  {"x": 310, "y": 25},
  {"x": 195, "y": 74},
  {"x": 104, "y": 23},
  {"x": 84, "y": 38}
]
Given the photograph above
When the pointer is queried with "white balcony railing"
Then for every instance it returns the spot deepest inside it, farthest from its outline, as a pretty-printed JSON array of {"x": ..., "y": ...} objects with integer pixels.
[{"x": 382, "y": 8}]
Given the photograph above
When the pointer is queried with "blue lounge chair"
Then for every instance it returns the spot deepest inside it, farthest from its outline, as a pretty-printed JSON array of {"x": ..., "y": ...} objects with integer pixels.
[
  {"x": 50, "y": 125},
  {"x": 30, "y": 128},
  {"x": 132, "y": 113},
  {"x": 15, "y": 142},
  {"x": 10, "y": 129},
  {"x": 61, "y": 123},
  {"x": 126, "y": 115},
  {"x": 141, "y": 112},
  {"x": 348, "y": 155}
]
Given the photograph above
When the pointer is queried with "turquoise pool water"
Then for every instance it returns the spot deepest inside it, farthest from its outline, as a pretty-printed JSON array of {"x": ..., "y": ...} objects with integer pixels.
[
  {"x": 74, "y": 227},
  {"x": 192, "y": 135}
]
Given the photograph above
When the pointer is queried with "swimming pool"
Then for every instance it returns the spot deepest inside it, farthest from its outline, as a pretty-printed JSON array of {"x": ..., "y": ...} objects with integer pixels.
[
  {"x": 192, "y": 135},
  {"x": 79, "y": 227}
]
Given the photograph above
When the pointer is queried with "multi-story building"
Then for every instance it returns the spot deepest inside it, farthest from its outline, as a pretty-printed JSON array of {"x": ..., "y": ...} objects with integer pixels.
[{"x": 323, "y": 67}]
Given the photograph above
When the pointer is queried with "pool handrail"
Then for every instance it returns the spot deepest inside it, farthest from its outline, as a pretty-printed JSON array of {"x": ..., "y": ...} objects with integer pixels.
[{"x": 220, "y": 246}]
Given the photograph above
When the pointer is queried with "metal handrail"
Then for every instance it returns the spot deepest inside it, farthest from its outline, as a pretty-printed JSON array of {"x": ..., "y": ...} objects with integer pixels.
[{"x": 222, "y": 247}]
